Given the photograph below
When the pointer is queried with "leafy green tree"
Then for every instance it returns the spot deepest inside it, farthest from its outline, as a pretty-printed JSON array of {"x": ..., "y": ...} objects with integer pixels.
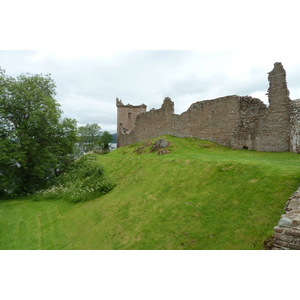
[
  {"x": 35, "y": 144},
  {"x": 89, "y": 137},
  {"x": 105, "y": 140}
]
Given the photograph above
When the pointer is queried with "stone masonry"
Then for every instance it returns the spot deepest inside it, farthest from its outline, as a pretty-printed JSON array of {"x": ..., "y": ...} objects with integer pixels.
[
  {"x": 295, "y": 126},
  {"x": 126, "y": 117},
  {"x": 287, "y": 232},
  {"x": 233, "y": 121}
]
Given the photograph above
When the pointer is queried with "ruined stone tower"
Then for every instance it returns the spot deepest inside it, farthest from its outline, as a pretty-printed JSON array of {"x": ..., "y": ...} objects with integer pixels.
[
  {"x": 126, "y": 117},
  {"x": 274, "y": 127},
  {"x": 233, "y": 121}
]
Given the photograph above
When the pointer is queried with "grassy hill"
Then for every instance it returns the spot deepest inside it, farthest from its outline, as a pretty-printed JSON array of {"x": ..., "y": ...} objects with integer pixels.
[{"x": 198, "y": 196}]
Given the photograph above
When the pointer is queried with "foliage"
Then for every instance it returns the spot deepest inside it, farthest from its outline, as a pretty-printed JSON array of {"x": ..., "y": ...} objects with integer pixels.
[
  {"x": 84, "y": 180},
  {"x": 91, "y": 138},
  {"x": 36, "y": 145},
  {"x": 105, "y": 140}
]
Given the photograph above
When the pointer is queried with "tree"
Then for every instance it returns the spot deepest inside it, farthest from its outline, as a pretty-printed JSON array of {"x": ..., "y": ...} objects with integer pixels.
[
  {"x": 35, "y": 144},
  {"x": 89, "y": 137},
  {"x": 105, "y": 140}
]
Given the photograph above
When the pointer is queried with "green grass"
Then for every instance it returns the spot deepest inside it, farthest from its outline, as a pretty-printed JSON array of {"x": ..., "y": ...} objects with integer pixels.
[{"x": 199, "y": 196}]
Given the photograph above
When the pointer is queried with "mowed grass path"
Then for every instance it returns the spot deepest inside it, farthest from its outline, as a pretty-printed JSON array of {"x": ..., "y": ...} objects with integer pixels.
[
  {"x": 199, "y": 196},
  {"x": 28, "y": 224}
]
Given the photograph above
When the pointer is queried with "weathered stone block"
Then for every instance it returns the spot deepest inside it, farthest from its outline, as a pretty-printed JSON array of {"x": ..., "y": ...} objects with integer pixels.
[
  {"x": 296, "y": 241},
  {"x": 278, "y": 229},
  {"x": 278, "y": 243},
  {"x": 294, "y": 247},
  {"x": 286, "y": 238},
  {"x": 292, "y": 232},
  {"x": 296, "y": 223},
  {"x": 285, "y": 222}
]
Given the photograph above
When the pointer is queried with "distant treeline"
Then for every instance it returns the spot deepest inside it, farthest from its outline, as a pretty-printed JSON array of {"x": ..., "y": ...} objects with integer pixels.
[{"x": 114, "y": 137}]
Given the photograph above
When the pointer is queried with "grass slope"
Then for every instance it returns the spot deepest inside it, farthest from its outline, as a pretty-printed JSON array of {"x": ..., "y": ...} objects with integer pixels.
[{"x": 199, "y": 196}]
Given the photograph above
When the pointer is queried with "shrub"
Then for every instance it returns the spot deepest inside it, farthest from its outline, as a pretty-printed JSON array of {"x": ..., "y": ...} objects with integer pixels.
[{"x": 84, "y": 180}]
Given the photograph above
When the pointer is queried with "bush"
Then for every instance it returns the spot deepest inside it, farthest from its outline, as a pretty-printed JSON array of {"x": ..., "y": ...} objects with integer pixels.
[{"x": 84, "y": 180}]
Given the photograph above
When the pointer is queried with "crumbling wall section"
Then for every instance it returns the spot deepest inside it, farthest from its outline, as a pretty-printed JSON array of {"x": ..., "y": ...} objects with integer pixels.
[
  {"x": 273, "y": 132},
  {"x": 213, "y": 120},
  {"x": 251, "y": 110},
  {"x": 295, "y": 127}
]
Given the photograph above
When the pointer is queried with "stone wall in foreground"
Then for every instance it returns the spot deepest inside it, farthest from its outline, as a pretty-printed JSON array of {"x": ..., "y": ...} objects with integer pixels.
[{"x": 287, "y": 232}]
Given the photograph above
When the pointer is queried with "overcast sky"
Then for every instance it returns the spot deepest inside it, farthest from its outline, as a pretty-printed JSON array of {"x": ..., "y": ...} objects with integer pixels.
[
  {"x": 86, "y": 52},
  {"x": 87, "y": 86}
]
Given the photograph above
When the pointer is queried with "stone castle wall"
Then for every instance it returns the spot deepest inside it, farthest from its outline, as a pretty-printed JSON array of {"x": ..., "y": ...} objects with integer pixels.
[
  {"x": 228, "y": 121},
  {"x": 233, "y": 121},
  {"x": 295, "y": 126}
]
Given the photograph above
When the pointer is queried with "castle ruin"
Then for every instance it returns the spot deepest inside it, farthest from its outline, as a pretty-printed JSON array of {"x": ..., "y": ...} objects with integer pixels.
[{"x": 239, "y": 122}]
